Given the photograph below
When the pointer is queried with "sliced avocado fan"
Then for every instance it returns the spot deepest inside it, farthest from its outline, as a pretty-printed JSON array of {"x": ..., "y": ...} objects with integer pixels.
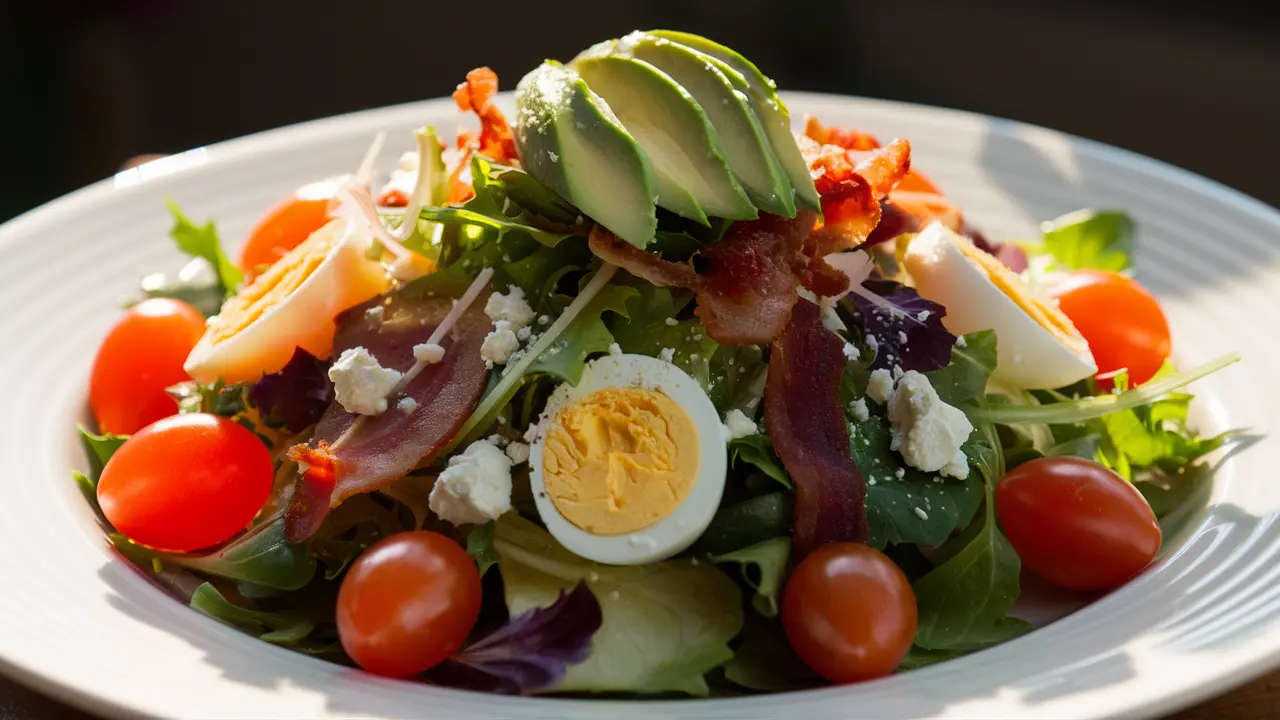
[
  {"x": 661, "y": 118},
  {"x": 568, "y": 139}
]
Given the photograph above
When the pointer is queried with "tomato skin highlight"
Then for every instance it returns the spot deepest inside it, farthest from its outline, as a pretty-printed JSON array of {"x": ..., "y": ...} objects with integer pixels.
[
  {"x": 140, "y": 357},
  {"x": 849, "y": 612},
  {"x": 1121, "y": 320},
  {"x": 1076, "y": 523},
  {"x": 408, "y": 603},
  {"x": 186, "y": 482},
  {"x": 287, "y": 224}
]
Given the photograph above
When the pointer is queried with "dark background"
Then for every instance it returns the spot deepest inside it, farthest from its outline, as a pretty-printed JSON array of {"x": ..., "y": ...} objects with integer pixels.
[{"x": 84, "y": 84}]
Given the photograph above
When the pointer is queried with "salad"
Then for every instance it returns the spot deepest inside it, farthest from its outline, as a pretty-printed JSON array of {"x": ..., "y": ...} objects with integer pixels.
[{"x": 640, "y": 394}]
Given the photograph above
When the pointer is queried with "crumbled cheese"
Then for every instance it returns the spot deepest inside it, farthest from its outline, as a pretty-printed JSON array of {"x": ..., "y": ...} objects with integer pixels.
[
  {"x": 511, "y": 307},
  {"x": 921, "y": 514},
  {"x": 497, "y": 440},
  {"x": 961, "y": 342},
  {"x": 524, "y": 333},
  {"x": 360, "y": 384},
  {"x": 615, "y": 349},
  {"x": 429, "y": 353},
  {"x": 901, "y": 473},
  {"x": 499, "y": 344},
  {"x": 902, "y": 337},
  {"x": 860, "y": 411},
  {"x": 927, "y": 431},
  {"x": 924, "y": 315},
  {"x": 375, "y": 313},
  {"x": 407, "y": 405},
  {"x": 880, "y": 386},
  {"x": 693, "y": 357},
  {"x": 672, "y": 322},
  {"x": 666, "y": 354},
  {"x": 872, "y": 342},
  {"x": 518, "y": 452},
  {"x": 475, "y": 487},
  {"x": 738, "y": 425},
  {"x": 897, "y": 372},
  {"x": 544, "y": 319},
  {"x": 851, "y": 351}
]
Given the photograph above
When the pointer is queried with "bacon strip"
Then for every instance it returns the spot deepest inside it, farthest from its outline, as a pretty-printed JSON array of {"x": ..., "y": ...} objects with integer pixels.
[
  {"x": 803, "y": 415},
  {"x": 496, "y": 140},
  {"x": 382, "y": 448}
]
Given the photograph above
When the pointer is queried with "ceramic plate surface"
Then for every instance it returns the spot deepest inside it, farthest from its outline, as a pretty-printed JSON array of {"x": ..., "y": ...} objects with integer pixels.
[{"x": 80, "y": 624}]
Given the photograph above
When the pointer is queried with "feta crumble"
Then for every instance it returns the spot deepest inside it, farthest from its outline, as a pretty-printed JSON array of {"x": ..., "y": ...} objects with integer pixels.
[
  {"x": 927, "y": 431},
  {"x": 902, "y": 337},
  {"x": 921, "y": 513},
  {"x": 671, "y": 322},
  {"x": 880, "y": 385},
  {"x": 860, "y": 411},
  {"x": 475, "y": 487},
  {"x": 511, "y": 307},
  {"x": 615, "y": 349},
  {"x": 360, "y": 384},
  {"x": 667, "y": 354},
  {"x": 518, "y": 452},
  {"x": 429, "y": 353},
  {"x": 850, "y": 351},
  {"x": 738, "y": 425},
  {"x": 499, "y": 344},
  {"x": 407, "y": 405}
]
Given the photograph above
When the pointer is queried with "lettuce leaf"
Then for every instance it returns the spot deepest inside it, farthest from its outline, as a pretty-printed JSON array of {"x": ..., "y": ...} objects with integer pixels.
[
  {"x": 98, "y": 449},
  {"x": 764, "y": 567},
  {"x": 665, "y": 624},
  {"x": 261, "y": 556},
  {"x": 907, "y": 328},
  {"x": 273, "y": 627},
  {"x": 757, "y": 450},
  {"x": 738, "y": 525},
  {"x": 1097, "y": 239},
  {"x": 765, "y": 660},
  {"x": 295, "y": 397},
  {"x": 202, "y": 241},
  {"x": 480, "y": 547}
]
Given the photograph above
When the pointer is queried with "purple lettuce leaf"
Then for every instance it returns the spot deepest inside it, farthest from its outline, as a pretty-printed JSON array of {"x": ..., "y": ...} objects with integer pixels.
[
  {"x": 907, "y": 328},
  {"x": 296, "y": 396},
  {"x": 531, "y": 652}
]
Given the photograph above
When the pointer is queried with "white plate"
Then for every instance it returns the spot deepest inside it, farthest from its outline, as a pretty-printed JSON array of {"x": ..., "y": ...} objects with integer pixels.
[{"x": 84, "y": 626}]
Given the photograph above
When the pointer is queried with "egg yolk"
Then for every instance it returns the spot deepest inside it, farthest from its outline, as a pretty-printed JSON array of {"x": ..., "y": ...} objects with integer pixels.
[
  {"x": 620, "y": 460},
  {"x": 1044, "y": 312}
]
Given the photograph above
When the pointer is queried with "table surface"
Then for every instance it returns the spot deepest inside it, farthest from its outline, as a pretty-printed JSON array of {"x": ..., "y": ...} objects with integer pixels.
[{"x": 1257, "y": 700}]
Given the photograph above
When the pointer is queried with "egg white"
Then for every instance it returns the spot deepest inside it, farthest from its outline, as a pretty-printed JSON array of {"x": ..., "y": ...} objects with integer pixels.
[
  {"x": 1030, "y": 356},
  {"x": 689, "y": 520},
  {"x": 304, "y": 318}
]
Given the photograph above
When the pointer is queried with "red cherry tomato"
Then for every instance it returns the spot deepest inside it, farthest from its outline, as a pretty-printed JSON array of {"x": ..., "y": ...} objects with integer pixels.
[
  {"x": 288, "y": 223},
  {"x": 1077, "y": 524},
  {"x": 1121, "y": 320},
  {"x": 408, "y": 603},
  {"x": 140, "y": 357},
  {"x": 849, "y": 612},
  {"x": 186, "y": 482}
]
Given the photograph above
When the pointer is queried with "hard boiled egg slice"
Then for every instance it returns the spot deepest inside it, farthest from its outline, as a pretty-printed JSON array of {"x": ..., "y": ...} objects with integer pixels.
[
  {"x": 1038, "y": 346},
  {"x": 628, "y": 465},
  {"x": 293, "y": 304}
]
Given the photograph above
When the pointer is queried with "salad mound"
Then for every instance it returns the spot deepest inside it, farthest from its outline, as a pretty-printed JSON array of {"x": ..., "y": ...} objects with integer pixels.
[{"x": 642, "y": 393}]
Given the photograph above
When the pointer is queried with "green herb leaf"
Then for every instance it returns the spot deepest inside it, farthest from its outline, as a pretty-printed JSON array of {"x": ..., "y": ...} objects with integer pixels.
[
  {"x": 745, "y": 523},
  {"x": 764, "y": 567},
  {"x": 489, "y": 208},
  {"x": 202, "y": 242},
  {"x": 279, "y": 628},
  {"x": 964, "y": 379},
  {"x": 757, "y": 450},
  {"x": 1098, "y": 239},
  {"x": 480, "y": 547},
  {"x": 99, "y": 449},
  {"x": 261, "y": 556},
  {"x": 665, "y": 624}
]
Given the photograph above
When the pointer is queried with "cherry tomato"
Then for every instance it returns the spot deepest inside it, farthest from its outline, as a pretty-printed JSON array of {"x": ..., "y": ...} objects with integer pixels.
[
  {"x": 408, "y": 603},
  {"x": 140, "y": 357},
  {"x": 288, "y": 223},
  {"x": 849, "y": 612},
  {"x": 1121, "y": 320},
  {"x": 1077, "y": 524},
  {"x": 186, "y": 482}
]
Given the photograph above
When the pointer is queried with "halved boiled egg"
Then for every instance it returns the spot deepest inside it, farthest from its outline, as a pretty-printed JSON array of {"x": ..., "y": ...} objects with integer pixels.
[
  {"x": 628, "y": 466},
  {"x": 1038, "y": 345},
  {"x": 293, "y": 304}
]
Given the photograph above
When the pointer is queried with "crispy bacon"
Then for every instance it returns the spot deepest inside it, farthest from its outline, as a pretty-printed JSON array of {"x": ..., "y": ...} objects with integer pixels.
[
  {"x": 803, "y": 415},
  {"x": 847, "y": 139},
  {"x": 495, "y": 141},
  {"x": 358, "y": 458}
]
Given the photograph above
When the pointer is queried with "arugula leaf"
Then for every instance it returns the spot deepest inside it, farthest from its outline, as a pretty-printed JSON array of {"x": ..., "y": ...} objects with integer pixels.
[
  {"x": 261, "y": 556},
  {"x": 99, "y": 449},
  {"x": 764, "y": 567},
  {"x": 278, "y": 628},
  {"x": 665, "y": 624},
  {"x": 917, "y": 507},
  {"x": 480, "y": 547},
  {"x": 964, "y": 380},
  {"x": 757, "y": 450},
  {"x": 652, "y": 325},
  {"x": 202, "y": 242},
  {"x": 587, "y": 335},
  {"x": 527, "y": 192},
  {"x": 1100, "y": 239},
  {"x": 963, "y": 602}
]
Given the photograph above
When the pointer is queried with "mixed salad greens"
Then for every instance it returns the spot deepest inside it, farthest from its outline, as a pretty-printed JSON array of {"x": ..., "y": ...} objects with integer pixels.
[{"x": 644, "y": 394}]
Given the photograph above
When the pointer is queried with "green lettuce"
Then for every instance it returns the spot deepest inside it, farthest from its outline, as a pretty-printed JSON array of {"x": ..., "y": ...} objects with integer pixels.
[
  {"x": 279, "y": 628},
  {"x": 98, "y": 449},
  {"x": 202, "y": 241},
  {"x": 1097, "y": 239},
  {"x": 764, "y": 567},
  {"x": 665, "y": 624},
  {"x": 757, "y": 450},
  {"x": 262, "y": 556}
]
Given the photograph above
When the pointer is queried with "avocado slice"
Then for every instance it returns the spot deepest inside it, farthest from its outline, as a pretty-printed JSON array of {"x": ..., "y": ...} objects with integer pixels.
[
  {"x": 568, "y": 140},
  {"x": 769, "y": 108},
  {"x": 722, "y": 93},
  {"x": 665, "y": 120}
]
